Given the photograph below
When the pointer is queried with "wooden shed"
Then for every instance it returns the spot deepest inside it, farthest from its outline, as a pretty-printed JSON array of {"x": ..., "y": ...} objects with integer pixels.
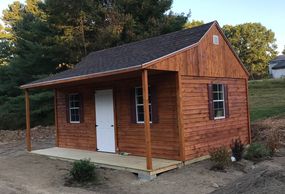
[{"x": 174, "y": 97}]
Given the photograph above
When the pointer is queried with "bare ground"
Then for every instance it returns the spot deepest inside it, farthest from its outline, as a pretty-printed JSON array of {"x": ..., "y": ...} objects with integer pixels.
[{"x": 21, "y": 172}]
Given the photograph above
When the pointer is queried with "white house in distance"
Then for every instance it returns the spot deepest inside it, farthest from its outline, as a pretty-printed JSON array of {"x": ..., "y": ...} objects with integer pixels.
[{"x": 277, "y": 67}]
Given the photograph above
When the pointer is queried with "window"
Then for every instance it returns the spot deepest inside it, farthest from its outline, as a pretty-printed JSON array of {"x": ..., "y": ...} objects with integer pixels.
[
  {"x": 74, "y": 108},
  {"x": 216, "y": 39},
  {"x": 218, "y": 101},
  {"x": 139, "y": 105}
]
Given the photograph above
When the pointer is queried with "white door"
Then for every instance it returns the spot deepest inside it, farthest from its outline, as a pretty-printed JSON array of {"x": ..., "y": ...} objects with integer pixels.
[{"x": 105, "y": 120}]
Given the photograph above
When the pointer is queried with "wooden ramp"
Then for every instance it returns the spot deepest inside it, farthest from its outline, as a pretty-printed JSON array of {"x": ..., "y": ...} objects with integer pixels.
[{"x": 135, "y": 164}]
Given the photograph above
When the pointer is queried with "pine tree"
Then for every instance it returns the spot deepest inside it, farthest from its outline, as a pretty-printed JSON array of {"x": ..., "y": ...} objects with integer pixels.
[{"x": 43, "y": 37}]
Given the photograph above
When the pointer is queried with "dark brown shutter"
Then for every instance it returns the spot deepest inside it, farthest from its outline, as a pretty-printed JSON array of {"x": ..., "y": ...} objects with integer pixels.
[
  {"x": 227, "y": 115},
  {"x": 133, "y": 106},
  {"x": 211, "y": 104},
  {"x": 67, "y": 108},
  {"x": 154, "y": 105},
  {"x": 81, "y": 108}
]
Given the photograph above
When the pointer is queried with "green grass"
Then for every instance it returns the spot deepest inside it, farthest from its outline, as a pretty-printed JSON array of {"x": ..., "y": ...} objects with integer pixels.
[{"x": 266, "y": 98}]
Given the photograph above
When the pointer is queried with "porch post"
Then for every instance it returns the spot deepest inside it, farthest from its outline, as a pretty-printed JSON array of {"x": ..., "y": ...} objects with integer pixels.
[
  {"x": 146, "y": 119},
  {"x": 179, "y": 117},
  {"x": 28, "y": 125},
  {"x": 55, "y": 118}
]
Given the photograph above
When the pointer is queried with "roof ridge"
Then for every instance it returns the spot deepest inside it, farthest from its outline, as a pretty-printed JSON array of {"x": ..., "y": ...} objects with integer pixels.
[{"x": 144, "y": 40}]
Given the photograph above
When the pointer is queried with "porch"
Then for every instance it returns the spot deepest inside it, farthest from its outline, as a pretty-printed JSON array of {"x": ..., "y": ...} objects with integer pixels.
[
  {"x": 160, "y": 134},
  {"x": 135, "y": 164}
]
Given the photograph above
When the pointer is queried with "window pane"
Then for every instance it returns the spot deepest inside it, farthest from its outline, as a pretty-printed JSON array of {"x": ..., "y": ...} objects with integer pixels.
[
  {"x": 219, "y": 105},
  {"x": 218, "y": 100},
  {"x": 216, "y": 96},
  {"x": 139, "y": 100},
  {"x": 216, "y": 105},
  {"x": 215, "y": 87},
  {"x": 76, "y": 97},
  {"x": 220, "y": 87},
  {"x": 140, "y": 109},
  {"x": 221, "y": 96},
  {"x": 140, "y": 117},
  {"x": 77, "y": 117},
  {"x": 72, "y": 118},
  {"x": 74, "y": 105},
  {"x": 139, "y": 91},
  {"x": 219, "y": 113},
  {"x": 139, "y": 104}
]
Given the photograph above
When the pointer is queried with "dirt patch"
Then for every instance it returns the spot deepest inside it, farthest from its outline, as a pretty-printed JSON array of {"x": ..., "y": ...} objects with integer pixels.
[
  {"x": 22, "y": 172},
  {"x": 267, "y": 177}
]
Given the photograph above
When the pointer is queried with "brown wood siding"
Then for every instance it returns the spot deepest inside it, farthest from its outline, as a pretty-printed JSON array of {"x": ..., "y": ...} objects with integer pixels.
[
  {"x": 77, "y": 135},
  {"x": 164, "y": 134},
  {"x": 130, "y": 136},
  {"x": 201, "y": 133},
  {"x": 206, "y": 59}
]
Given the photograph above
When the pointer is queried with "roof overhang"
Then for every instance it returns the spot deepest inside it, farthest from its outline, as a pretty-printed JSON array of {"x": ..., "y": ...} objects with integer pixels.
[{"x": 49, "y": 84}]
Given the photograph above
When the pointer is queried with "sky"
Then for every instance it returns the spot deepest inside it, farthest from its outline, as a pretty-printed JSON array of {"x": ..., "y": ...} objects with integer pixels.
[{"x": 268, "y": 13}]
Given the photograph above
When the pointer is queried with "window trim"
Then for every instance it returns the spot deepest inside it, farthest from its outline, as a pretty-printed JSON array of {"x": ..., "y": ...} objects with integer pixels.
[
  {"x": 224, "y": 107},
  {"x": 136, "y": 106},
  {"x": 69, "y": 109}
]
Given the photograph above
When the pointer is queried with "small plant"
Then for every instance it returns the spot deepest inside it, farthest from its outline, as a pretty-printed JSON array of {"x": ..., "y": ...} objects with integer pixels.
[
  {"x": 237, "y": 149},
  {"x": 83, "y": 171},
  {"x": 220, "y": 157},
  {"x": 273, "y": 140},
  {"x": 257, "y": 151}
]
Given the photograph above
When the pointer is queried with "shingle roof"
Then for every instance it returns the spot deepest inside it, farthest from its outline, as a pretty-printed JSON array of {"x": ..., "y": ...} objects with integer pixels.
[
  {"x": 280, "y": 65},
  {"x": 279, "y": 58},
  {"x": 132, "y": 54},
  {"x": 279, "y": 62}
]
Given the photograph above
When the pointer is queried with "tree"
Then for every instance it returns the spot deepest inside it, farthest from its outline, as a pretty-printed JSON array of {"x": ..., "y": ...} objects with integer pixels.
[
  {"x": 283, "y": 52},
  {"x": 87, "y": 25},
  {"x": 39, "y": 38},
  {"x": 254, "y": 44},
  {"x": 32, "y": 54},
  {"x": 193, "y": 23}
]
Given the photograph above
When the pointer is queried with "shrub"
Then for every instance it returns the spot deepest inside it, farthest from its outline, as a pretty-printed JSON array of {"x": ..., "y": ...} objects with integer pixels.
[
  {"x": 83, "y": 170},
  {"x": 273, "y": 140},
  {"x": 237, "y": 149},
  {"x": 257, "y": 151},
  {"x": 220, "y": 157}
]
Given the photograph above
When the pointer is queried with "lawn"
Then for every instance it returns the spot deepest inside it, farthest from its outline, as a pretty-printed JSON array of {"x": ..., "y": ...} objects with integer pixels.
[{"x": 266, "y": 98}]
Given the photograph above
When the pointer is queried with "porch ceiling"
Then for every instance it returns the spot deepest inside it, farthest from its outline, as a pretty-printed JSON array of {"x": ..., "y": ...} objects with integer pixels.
[{"x": 135, "y": 164}]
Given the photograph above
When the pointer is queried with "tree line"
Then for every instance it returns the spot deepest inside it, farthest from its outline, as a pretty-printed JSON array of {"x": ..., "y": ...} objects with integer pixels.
[{"x": 40, "y": 38}]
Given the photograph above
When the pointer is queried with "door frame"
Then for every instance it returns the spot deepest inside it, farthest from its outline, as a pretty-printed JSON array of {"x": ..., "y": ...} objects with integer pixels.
[{"x": 115, "y": 116}]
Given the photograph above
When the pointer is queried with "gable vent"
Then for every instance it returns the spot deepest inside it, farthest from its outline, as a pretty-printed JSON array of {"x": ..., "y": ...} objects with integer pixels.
[{"x": 216, "y": 39}]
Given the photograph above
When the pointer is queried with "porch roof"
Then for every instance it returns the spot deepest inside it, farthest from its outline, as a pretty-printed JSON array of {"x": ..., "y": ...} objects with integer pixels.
[{"x": 127, "y": 57}]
